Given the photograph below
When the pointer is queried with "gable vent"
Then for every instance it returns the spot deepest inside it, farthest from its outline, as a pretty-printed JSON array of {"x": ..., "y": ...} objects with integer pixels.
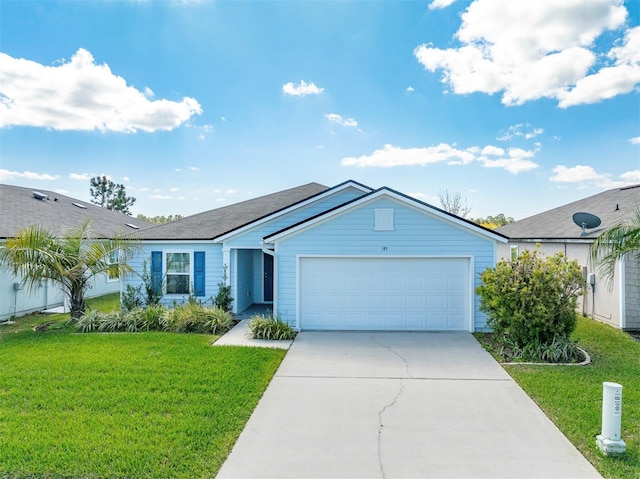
[
  {"x": 384, "y": 219},
  {"x": 79, "y": 205}
]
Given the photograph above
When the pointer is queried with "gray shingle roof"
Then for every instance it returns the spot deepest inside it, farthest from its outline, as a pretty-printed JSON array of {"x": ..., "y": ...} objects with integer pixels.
[
  {"x": 213, "y": 223},
  {"x": 611, "y": 206},
  {"x": 19, "y": 209}
]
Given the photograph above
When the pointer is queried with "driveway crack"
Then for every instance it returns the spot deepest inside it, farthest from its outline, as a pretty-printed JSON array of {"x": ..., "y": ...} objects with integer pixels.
[
  {"x": 381, "y": 426},
  {"x": 392, "y": 403},
  {"x": 393, "y": 351}
]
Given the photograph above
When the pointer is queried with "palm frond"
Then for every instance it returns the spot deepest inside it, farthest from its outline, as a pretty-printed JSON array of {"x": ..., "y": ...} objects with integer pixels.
[{"x": 613, "y": 244}]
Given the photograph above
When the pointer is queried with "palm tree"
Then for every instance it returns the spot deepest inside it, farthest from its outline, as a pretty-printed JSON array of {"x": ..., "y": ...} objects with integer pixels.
[
  {"x": 36, "y": 254},
  {"x": 614, "y": 243}
]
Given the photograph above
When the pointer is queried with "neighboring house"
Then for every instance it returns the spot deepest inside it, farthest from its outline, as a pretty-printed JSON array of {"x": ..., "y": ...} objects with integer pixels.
[
  {"x": 24, "y": 207},
  {"x": 341, "y": 258},
  {"x": 616, "y": 303}
]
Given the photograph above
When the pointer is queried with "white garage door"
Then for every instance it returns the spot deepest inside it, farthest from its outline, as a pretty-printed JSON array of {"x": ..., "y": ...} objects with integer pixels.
[{"x": 410, "y": 294}]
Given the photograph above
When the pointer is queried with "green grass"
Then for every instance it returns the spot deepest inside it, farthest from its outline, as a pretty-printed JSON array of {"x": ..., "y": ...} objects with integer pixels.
[
  {"x": 572, "y": 395},
  {"x": 106, "y": 303},
  {"x": 143, "y": 405}
]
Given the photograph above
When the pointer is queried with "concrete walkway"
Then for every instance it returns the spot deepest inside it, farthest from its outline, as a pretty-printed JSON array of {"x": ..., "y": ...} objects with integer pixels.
[
  {"x": 239, "y": 336},
  {"x": 398, "y": 405}
]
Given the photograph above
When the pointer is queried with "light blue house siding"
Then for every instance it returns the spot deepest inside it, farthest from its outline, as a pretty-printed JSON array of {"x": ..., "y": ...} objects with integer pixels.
[
  {"x": 416, "y": 233},
  {"x": 213, "y": 269}
]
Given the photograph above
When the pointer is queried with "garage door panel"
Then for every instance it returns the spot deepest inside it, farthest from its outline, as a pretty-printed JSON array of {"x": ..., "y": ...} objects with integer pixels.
[
  {"x": 436, "y": 322},
  {"x": 384, "y": 294}
]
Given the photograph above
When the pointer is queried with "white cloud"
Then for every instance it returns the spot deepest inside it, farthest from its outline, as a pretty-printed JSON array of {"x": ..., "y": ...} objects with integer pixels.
[
  {"x": 390, "y": 156},
  {"x": 302, "y": 89},
  {"x": 609, "y": 81},
  {"x": 631, "y": 176},
  {"x": 635, "y": 140},
  {"x": 492, "y": 150},
  {"x": 586, "y": 176},
  {"x": 335, "y": 118},
  {"x": 512, "y": 165},
  {"x": 541, "y": 49},
  {"x": 194, "y": 168},
  {"x": 161, "y": 197},
  {"x": 521, "y": 130},
  {"x": 82, "y": 95},
  {"x": 174, "y": 189},
  {"x": 409, "y": 89},
  {"x": 436, "y": 4},
  {"x": 27, "y": 175},
  {"x": 80, "y": 176},
  {"x": 576, "y": 174}
]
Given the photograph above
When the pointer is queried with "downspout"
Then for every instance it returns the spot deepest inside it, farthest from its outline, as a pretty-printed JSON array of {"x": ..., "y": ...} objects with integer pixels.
[
  {"x": 272, "y": 252},
  {"x": 623, "y": 293}
]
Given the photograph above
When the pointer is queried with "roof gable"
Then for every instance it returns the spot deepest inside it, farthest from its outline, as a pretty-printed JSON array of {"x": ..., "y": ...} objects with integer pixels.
[
  {"x": 22, "y": 207},
  {"x": 211, "y": 224},
  {"x": 397, "y": 196},
  {"x": 296, "y": 206},
  {"x": 611, "y": 206}
]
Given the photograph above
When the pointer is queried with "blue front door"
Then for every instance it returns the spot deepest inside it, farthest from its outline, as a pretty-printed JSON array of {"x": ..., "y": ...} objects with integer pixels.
[{"x": 268, "y": 277}]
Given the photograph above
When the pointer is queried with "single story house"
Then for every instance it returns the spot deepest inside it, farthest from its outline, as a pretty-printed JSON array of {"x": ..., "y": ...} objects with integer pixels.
[
  {"x": 618, "y": 303},
  {"x": 346, "y": 257},
  {"x": 25, "y": 207}
]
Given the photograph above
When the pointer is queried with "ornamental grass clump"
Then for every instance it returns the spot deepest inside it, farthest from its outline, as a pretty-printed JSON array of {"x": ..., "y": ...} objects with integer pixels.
[
  {"x": 268, "y": 327},
  {"x": 531, "y": 305},
  {"x": 191, "y": 317}
]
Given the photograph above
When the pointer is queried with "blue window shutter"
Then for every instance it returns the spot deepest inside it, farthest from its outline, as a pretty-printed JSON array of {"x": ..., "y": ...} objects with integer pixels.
[
  {"x": 198, "y": 273},
  {"x": 156, "y": 270}
]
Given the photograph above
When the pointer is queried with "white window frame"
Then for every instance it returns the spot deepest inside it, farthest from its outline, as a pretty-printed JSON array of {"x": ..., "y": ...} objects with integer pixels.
[
  {"x": 514, "y": 251},
  {"x": 166, "y": 274},
  {"x": 113, "y": 258}
]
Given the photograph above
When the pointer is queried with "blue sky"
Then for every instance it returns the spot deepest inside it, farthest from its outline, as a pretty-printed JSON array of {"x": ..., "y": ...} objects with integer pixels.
[{"x": 192, "y": 105}]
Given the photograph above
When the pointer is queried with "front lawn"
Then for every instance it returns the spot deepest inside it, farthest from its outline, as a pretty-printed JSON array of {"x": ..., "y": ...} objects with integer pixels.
[
  {"x": 572, "y": 395},
  {"x": 137, "y": 405}
]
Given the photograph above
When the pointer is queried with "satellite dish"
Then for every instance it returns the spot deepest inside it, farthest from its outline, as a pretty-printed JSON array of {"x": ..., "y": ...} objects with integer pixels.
[{"x": 586, "y": 221}]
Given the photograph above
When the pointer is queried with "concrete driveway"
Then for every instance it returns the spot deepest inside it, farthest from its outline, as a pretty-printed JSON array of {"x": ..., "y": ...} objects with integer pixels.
[{"x": 398, "y": 405}]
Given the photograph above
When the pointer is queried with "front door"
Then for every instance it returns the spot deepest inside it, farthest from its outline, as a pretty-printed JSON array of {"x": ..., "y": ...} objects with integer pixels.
[{"x": 268, "y": 277}]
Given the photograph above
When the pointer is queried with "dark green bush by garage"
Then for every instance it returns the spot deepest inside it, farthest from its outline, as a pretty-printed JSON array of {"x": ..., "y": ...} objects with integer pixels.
[{"x": 531, "y": 305}]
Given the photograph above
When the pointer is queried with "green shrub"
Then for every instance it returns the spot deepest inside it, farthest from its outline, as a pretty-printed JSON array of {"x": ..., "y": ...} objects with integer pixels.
[
  {"x": 223, "y": 299},
  {"x": 113, "y": 322},
  {"x": 531, "y": 301},
  {"x": 219, "y": 321},
  {"x": 268, "y": 327},
  {"x": 152, "y": 291},
  {"x": 131, "y": 298},
  {"x": 190, "y": 317},
  {"x": 151, "y": 316},
  {"x": 193, "y": 317},
  {"x": 90, "y": 321},
  {"x": 560, "y": 350}
]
